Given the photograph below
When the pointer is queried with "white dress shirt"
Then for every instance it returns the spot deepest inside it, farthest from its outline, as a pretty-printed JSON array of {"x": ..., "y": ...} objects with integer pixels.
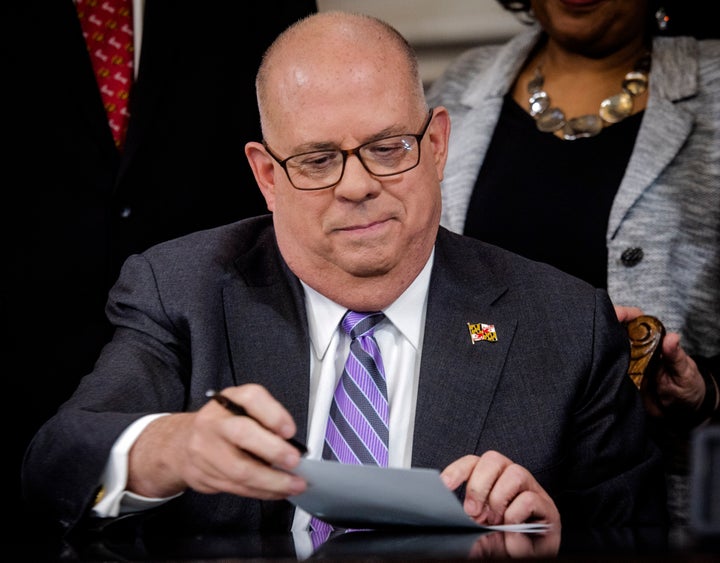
[{"x": 138, "y": 13}]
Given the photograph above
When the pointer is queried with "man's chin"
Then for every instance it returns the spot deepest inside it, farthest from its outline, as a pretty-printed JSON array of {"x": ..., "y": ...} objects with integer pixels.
[{"x": 370, "y": 265}]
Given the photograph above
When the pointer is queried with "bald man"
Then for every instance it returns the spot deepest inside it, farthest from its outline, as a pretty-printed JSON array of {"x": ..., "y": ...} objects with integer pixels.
[{"x": 537, "y": 423}]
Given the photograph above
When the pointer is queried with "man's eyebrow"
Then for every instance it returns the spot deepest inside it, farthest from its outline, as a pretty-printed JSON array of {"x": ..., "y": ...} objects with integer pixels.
[
  {"x": 388, "y": 132},
  {"x": 330, "y": 146},
  {"x": 315, "y": 146}
]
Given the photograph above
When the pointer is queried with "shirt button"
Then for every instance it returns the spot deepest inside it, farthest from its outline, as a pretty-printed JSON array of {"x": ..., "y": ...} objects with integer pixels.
[
  {"x": 125, "y": 212},
  {"x": 631, "y": 257}
]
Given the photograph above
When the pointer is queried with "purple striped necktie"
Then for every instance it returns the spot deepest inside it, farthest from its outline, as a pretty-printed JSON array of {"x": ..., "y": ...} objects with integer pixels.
[{"x": 357, "y": 427}]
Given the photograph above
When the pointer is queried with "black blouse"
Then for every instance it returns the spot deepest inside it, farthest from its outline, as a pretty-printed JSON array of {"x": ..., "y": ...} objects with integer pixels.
[{"x": 549, "y": 199}]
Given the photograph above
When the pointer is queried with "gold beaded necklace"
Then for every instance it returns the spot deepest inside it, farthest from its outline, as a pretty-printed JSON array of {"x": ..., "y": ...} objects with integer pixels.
[{"x": 612, "y": 110}]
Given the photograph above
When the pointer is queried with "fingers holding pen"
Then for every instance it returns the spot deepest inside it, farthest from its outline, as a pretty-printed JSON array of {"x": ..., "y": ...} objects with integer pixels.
[
  {"x": 255, "y": 402},
  {"x": 214, "y": 450},
  {"x": 243, "y": 444}
]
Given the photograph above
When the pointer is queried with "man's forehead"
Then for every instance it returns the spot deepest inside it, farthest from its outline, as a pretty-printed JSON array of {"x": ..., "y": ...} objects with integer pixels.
[
  {"x": 310, "y": 106},
  {"x": 317, "y": 129}
]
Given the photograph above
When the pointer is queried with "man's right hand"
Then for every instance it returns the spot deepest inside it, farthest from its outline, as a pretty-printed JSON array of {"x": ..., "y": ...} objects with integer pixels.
[{"x": 213, "y": 450}]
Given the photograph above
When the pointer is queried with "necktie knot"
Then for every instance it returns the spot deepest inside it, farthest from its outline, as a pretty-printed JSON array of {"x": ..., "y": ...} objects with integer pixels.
[{"x": 361, "y": 324}]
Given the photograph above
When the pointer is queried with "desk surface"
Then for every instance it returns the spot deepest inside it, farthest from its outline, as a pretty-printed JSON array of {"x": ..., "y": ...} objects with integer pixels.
[{"x": 571, "y": 545}]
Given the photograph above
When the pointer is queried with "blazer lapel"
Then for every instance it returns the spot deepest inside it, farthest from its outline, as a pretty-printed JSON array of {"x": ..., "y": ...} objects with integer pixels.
[
  {"x": 457, "y": 376},
  {"x": 664, "y": 128},
  {"x": 267, "y": 332},
  {"x": 158, "y": 51},
  {"x": 471, "y": 135}
]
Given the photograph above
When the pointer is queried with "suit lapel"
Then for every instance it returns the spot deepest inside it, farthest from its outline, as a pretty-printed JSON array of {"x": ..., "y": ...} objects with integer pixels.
[
  {"x": 457, "y": 378},
  {"x": 267, "y": 332},
  {"x": 663, "y": 132},
  {"x": 157, "y": 54},
  {"x": 665, "y": 127}
]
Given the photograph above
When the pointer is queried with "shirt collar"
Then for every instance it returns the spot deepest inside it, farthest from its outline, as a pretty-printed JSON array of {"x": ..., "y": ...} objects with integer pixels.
[{"x": 406, "y": 313}]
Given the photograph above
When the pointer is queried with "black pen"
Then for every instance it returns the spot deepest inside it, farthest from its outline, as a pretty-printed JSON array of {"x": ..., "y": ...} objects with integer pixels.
[{"x": 240, "y": 411}]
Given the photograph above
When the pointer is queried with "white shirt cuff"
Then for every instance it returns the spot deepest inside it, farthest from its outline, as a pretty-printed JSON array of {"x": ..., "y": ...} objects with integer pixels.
[{"x": 116, "y": 500}]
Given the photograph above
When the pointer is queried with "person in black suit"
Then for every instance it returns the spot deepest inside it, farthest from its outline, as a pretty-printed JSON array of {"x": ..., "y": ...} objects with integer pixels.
[
  {"x": 534, "y": 415},
  {"x": 79, "y": 207}
]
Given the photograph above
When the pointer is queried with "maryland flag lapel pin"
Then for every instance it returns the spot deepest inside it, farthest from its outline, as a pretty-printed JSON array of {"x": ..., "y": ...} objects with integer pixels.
[{"x": 481, "y": 331}]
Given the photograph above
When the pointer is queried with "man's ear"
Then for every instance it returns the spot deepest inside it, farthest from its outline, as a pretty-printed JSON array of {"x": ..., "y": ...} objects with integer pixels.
[
  {"x": 439, "y": 134},
  {"x": 263, "y": 167}
]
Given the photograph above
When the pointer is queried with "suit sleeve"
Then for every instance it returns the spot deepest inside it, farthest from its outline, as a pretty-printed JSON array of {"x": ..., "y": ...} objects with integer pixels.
[{"x": 622, "y": 482}]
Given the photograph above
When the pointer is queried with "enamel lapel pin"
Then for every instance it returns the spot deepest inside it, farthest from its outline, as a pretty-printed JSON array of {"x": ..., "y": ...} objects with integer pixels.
[{"x": 481, "y": 331}]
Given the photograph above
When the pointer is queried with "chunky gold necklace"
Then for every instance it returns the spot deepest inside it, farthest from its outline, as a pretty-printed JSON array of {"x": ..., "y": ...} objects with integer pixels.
[{"x": 612, "y": 110}]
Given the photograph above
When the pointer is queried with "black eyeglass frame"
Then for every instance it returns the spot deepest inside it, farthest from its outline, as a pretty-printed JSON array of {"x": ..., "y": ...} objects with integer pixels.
[{"x": 356, "y": 151}]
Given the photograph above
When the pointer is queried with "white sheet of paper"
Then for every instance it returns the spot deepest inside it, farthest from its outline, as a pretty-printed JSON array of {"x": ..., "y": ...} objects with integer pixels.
[{"x": 366, "y": 496}]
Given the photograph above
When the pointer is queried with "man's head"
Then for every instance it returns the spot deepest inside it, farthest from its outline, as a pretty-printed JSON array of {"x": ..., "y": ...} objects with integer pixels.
[{"x": 335, "y": 81}]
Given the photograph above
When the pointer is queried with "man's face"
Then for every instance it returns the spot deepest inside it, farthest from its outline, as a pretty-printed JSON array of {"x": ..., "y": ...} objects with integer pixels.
[{"x": 365, "y": 225}]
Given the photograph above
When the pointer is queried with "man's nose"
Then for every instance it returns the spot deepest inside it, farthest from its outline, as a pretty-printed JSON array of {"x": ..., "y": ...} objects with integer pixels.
[{"x": 357, "y": 182}]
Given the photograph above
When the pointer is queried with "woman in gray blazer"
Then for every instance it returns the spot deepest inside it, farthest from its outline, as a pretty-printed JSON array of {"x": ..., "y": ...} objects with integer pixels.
[{"x": 549, "y": 159}]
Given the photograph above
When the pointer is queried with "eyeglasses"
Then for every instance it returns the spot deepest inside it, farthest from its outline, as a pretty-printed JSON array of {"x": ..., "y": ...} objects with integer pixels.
[{"x": 319, "y": 170}]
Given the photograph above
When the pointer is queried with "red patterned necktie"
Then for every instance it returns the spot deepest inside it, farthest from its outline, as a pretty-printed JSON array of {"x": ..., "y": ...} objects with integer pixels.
[{"x": 107, "y": 27}]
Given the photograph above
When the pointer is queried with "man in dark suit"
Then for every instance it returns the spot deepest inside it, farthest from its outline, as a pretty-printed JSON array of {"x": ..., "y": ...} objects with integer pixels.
[
  {"x": 533, "y": 413},
  {"x": 76, "y": 207}
]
